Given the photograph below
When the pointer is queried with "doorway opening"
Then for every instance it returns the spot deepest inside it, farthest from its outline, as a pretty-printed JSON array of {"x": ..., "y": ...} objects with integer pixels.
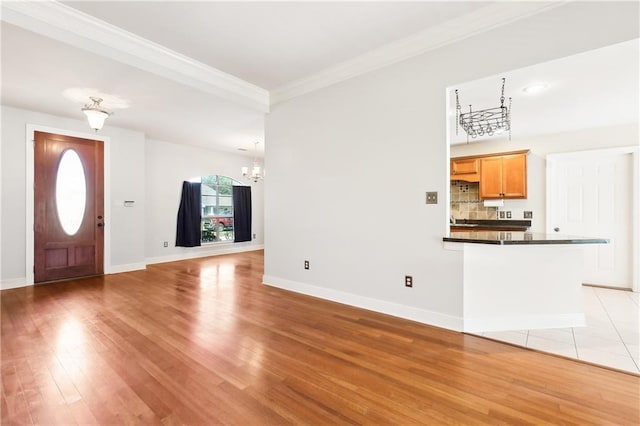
[{"x": 82, "y": 254}]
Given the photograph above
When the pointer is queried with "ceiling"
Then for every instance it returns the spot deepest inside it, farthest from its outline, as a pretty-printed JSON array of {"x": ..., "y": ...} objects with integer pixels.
[
  {"x": 598, "y": 88},
  {"x": 271, "y": 44},
  {"x": 205, "y": 73}
]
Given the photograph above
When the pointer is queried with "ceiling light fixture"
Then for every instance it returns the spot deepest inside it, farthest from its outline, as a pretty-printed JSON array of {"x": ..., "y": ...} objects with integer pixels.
[
  {"x": 488, "y": 121},
  {"x": 256, "y": 173},
  {"x": 96, "y": 114},
  {"x": 535, "y": 88}
]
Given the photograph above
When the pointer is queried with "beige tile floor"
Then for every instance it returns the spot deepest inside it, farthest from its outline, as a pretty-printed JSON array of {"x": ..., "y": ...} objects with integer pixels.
[{"x": 611, "y": 337}]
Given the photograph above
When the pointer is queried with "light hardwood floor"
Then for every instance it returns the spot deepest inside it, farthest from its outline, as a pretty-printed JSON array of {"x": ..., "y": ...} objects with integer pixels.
[{"x": 204, "y": 342}]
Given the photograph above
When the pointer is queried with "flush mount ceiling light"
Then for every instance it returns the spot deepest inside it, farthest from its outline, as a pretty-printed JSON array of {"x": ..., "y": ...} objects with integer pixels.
[
  {"x": 535, "y": 88},
  {"x": 96, "y": 113},
  {"x": 256, "y": 173},
  {"x": 488, "y": 121}
]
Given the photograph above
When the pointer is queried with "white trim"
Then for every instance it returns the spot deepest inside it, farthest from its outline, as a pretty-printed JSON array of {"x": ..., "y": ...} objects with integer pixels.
[
  {"x": 29, "y": 181},
  {"x": 402, "y": 311},
  {"x": 447, "y": 192},
  {"x": 475, "y": 325},
  {"x": 13, "y": 283},
  {"x": 460, "y": 28},
  {"x": 635, "y": 202},
  {"x": 68, "y": 25},
  {"x": 195, "y": 253},
  {"x": 1, "y": 197},
  {"x": 116, "y": 269},
  {"x": 635, "y": 225}
]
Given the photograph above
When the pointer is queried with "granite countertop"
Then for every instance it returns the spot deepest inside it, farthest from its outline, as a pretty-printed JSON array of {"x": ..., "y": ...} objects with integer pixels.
[
  {"x": 519, "y": 238},
  {"x": 521, "y": 225}
]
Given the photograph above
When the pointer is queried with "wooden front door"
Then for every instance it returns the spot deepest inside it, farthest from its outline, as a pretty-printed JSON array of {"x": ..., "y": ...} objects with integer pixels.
[{"x": 69, "y": 207}]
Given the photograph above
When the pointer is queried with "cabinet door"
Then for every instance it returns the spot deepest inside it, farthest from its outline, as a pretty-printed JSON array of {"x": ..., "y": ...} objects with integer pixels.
[
  {"x": 514, "y": 176},
  {"x": 491, "y": 177},
  {"x": 467, "y": 169},
  {"x": 464, "y": 166}
]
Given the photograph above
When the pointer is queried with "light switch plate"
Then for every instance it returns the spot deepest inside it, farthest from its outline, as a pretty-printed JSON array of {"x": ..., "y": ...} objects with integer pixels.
[
  {"x": 528, "y": 214},
  {"x": 432, "y": 197}
]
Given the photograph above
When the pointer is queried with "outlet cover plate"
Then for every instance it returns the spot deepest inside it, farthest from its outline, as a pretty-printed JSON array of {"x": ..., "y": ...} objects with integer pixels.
[
  {"x": 408, "y": 281},
  {"x": 432, "y": 197},
  {"x": 528, "y": 214}
]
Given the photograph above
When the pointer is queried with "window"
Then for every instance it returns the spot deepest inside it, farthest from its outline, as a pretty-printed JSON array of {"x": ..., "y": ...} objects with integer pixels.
[{"x": 217, "y": 208}]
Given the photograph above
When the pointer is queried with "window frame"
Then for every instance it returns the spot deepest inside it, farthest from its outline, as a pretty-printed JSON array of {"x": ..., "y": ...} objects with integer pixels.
[{"x": 213, "y": 234}]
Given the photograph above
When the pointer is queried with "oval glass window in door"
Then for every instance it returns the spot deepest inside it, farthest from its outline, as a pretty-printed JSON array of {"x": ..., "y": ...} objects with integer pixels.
[{"x": 71, "y": 192}]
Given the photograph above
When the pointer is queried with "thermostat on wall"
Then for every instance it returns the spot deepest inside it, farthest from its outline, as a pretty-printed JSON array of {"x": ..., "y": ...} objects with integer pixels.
[{"x": 129, "y": 203}]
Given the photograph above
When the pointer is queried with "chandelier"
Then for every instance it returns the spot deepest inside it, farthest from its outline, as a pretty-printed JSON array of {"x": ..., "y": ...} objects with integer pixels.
[
  {"x": 488, "y": 121},
  {"x": 96, "y": 113},
  {"x": 256, "y": 172}
]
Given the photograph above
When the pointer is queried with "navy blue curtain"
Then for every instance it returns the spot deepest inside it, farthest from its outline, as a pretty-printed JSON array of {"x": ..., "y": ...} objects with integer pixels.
[
  {"x": 242, "y": 213},
  {"x": 188, "y": 231}
]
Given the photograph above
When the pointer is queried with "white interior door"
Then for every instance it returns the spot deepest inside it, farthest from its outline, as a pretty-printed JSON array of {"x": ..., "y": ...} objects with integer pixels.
[{"x": 590, "y": 194}]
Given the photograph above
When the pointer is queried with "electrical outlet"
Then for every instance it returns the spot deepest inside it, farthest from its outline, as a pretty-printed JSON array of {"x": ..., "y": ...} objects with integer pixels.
[
  {"x": 166, "y": 243},
  {"x": 501, "y": 215},
  {"x": 408, "y": 281},
  {"x": 432, "y": 197},
  {"x": 509, "y": 215},
  {"x": 306, "y": 264},
  {"x": 528, "y": 214},
  {"x": 254, "y": 236}
]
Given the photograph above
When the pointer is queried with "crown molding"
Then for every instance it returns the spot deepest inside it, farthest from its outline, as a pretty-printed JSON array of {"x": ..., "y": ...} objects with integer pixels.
[
  {"x": 68, "y": 25},
  {"x": 476, "y": 22}
]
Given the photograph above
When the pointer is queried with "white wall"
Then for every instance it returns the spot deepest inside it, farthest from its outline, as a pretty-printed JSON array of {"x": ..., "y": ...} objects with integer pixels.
[
  {"x": 125, "y": 174},
  {"x": 167, "y": 166},
  {"x": 349, "y": 166},
  {"x": 540, "y": 146}
]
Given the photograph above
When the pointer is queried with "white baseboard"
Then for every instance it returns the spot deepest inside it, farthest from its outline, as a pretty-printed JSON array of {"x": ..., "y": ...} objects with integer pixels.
[
  {"x": 397, "y": 310},
  {"x": 204, "y": 252},
  {"x": 13, "y": 283},
  {"x": 116, "y": 269},
  {"x": 529, "y": 322}
]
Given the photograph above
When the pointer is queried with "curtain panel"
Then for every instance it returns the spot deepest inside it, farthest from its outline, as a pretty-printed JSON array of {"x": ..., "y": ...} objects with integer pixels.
[
  {"x": 242, "y": 213},
  {"x": 189, "y": 215}
]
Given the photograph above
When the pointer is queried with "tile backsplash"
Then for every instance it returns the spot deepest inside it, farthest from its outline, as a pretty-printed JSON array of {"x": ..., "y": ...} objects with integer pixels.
[{"x": 466, "y": 203}]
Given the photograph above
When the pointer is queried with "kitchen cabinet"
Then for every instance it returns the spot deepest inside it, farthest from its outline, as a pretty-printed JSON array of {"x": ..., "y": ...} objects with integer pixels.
[
  {"x": 467, "y": 169},
  {"x": 504, "y": 176}
]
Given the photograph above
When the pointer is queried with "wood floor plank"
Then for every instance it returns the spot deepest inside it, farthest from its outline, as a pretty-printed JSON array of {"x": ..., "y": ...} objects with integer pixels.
[{"x": 204, "y": 342}]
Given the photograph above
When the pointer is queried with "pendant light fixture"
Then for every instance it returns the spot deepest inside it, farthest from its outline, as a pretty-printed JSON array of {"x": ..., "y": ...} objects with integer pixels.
[
  {"x": 256, "y": 173},
  {"x": 96, "y": 113}
]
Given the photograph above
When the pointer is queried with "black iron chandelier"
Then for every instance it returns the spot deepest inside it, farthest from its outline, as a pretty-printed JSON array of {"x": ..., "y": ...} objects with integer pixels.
[{"x": 488, "y": 122}]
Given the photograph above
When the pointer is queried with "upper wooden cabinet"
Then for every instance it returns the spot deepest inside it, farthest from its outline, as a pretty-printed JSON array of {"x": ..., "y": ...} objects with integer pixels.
[
  {"x": 504, "y": 176},
  {"x": 467, "y": 169}
]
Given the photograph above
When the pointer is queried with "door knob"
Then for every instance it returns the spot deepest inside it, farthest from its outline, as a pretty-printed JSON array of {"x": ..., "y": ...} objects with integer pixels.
[
  {"x": 100, "y": 225},
  {"x": 556, "y": 229},
  {"x": 99, "y": 217}
]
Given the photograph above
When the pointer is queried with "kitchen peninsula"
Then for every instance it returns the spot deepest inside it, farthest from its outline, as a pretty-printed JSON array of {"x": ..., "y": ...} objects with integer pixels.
[{"x": 520, "y": 280}]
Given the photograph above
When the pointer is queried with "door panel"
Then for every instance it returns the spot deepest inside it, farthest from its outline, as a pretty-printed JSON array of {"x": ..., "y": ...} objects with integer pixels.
[
  {"x": 69, "y": 253},
  {"x": 591, "y": 196},
  {"x": 514, "y": 176},
  {"x": 491, "y": 177}
]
